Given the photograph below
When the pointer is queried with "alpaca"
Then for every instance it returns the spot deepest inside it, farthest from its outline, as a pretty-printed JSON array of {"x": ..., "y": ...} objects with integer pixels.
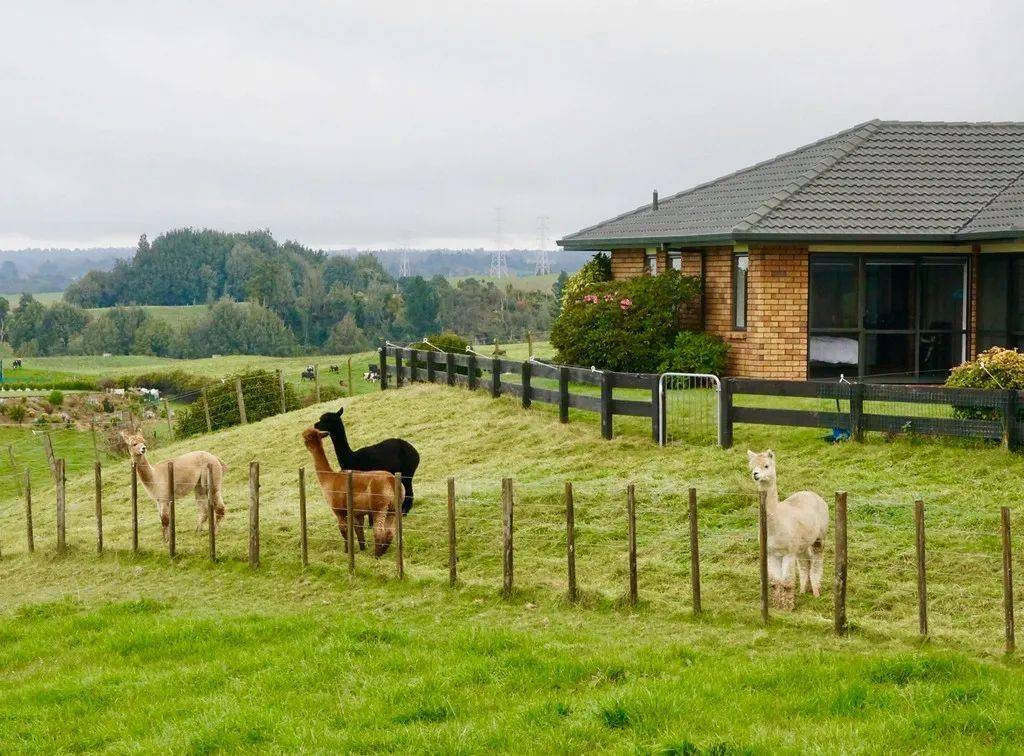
[
  {"x": 189, "y": 475},
  {"x": 394, "y": 455},
  {"x": 796, "y": 530},
  {"x": 373, "y": 493}
]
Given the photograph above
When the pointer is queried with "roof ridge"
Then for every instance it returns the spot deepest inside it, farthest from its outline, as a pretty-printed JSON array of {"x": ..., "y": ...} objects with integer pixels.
[
  {"x": 991, "y": 199},
  {"x": 857, "y": 139},
  {"x": 733, "y": 174}
]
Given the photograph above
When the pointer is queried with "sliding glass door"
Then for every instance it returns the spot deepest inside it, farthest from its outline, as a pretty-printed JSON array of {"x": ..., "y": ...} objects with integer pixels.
[{"x": 897, "y": 318}]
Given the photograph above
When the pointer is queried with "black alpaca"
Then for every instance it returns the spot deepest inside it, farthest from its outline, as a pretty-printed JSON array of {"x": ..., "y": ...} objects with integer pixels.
[{"x": 395, "y": 455}]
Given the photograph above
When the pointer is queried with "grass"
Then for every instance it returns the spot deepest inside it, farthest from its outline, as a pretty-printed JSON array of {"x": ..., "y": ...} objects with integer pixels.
[
  {"x": 128, "y": 652},
  {"x": 46, "y": 297},
  {"x": 524, "y": 283}
]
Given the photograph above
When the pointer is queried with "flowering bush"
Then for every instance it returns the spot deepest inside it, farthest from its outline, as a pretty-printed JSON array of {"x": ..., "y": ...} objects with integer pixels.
[
  {"x": 595, "y": 270},
  {"x": 623, "y": 325}
]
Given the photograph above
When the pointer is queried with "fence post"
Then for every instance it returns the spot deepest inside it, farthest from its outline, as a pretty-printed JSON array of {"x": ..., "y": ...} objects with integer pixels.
[
  {"x": 631, "y": 535},
  {"x": 399, "y": 379},
  {"x": 762, "y": 551},
  {"x": 135, "y": 509},
  {"x": 51, "y": 460},
  {"x": 206, "y": 410},
  {"x": 563, "y": 394},
  {"x": 99, "y": 507},
  {"x": 383, "y": 352},
  {"x": 1010, "y": 421},
  {"x": 655, "y": 381},
  {"x": 254, "y": 514},
  {"x": 857, "y": 411},
  {"x": 506, "y": 536},
  {"x": 495, "y": 377},
  {"x": 400, "y": 551},
  {"x": 351, "y": 386},
  {"x": 570, "y": 540},
  {"x": 61, "y": 542},
  {"x": 922, "y": 586},
  {"x": 430, "y": 365},
  {"x": 413, "y": 370},
  {"x": 471, "y": 371},
  {"x": 725, "y": 414},
  {"x": 694, "y": 553},
  {"x": 449, "y": 366},
  {"x": 350, "y": 524},
  {"x": 170, "y": 418},
  {"x": 211, "y": 513},
  {"x": 1011, "y": 641},
  {"x": 529, "y": 344},
  {"x": 280, "y": 389},
  {"x": 171, "y": 522},
  {"x": 453, "y": 558},
  {"x": 316, "y": 382},
  {"x": 28, "y": 512},
  {"x": 839, "y": 614},
  {"x": 241, "y": 402},
  {"x": 526, "y": 373},
  {"x": 303, "y": 536},
  {"x": 606, "y": 405}
]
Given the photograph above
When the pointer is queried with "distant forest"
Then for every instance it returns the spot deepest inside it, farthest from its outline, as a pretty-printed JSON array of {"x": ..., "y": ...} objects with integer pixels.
[
  {"x": 38, "y": 270},
  {"x": 265, "y": 297}
]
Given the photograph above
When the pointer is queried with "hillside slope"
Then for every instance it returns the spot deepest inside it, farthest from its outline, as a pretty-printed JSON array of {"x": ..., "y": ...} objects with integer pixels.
[{"x": 413, "y": 665}]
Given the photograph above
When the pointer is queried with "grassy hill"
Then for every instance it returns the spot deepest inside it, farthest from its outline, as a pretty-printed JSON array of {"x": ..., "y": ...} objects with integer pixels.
[{"x": 124, "y": 651}]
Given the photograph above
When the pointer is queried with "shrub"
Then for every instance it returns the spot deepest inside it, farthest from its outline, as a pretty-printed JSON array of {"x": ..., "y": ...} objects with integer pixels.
[
  {"x": 445, "y": 342},
  {"x": 56, "y": 398},
  {"x": 260, "y": 392},
  {"x": 995, "y": 368},
  {"x": 17, "y": 413},
  {"x": 623, "y": 325},
  {"x": 596, "y": 270},
  {"x": 695, "y": 353}
]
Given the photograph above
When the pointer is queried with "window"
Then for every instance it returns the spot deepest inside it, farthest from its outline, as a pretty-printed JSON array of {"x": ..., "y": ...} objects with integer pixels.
[
  {"x": 740, "y": 264},
  {"x": 886, "y": 316},
  {"x": 1001, "y": 302},
  {"x": 675, "y": 260},
  {"x": 651, "y": 263}
]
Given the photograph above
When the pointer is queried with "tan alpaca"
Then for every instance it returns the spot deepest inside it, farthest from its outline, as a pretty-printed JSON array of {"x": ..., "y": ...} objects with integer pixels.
[
  {"x": 372, "y": 493},
  {"x": 796, "y": 530},
  {"x": 189, "y": 475}
]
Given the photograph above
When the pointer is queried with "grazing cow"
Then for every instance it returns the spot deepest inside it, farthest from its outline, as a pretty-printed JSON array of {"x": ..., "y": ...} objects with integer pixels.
[
  {"x": 16, "y": 364},
  {"x": 309, "y": 373},
  {"x": 372, "y": 373},
  {"x": 334, "y": 369}
]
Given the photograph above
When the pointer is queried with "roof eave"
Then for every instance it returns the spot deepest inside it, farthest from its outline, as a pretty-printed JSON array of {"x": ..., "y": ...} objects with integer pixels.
[{"x": 696, "y": 240}]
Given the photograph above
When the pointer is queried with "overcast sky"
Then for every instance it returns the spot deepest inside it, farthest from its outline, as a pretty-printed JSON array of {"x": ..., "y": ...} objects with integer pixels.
[{"x": 368, "y": 124}]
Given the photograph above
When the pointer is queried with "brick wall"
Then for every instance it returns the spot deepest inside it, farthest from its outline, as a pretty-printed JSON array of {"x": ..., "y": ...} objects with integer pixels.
[{"x": 627, "y": 263}]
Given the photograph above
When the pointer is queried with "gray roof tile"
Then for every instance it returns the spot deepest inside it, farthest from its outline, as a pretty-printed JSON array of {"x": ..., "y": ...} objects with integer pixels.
[{"x": 881, "y": 178}]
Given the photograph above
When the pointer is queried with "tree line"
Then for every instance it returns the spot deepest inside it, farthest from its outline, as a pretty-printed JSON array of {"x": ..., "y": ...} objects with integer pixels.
[{"x": 263, "y": 298}]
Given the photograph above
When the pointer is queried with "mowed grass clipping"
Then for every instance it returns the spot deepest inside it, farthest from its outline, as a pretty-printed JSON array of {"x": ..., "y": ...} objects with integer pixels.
[{"x": 127, "y": 652}]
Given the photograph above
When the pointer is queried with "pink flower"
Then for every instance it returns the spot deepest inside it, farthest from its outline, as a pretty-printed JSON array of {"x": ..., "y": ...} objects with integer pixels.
[
  {"x": 625, "y": 304},
  {"x": 609, "y": 297},
  {"x": 590, "y": 298}
]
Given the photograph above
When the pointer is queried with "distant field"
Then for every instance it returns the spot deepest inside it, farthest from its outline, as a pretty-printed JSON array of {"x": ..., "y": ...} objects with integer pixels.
[
  {"x": 175, "y": 315},
  {"x": 46, "y": 297},
  {"x": 524, "y": 283}
]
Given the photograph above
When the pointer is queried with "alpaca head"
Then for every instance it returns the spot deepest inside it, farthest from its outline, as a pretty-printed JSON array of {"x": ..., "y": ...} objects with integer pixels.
[
  {"x": 762, "y": 467},
  {"x": 330, "y": 421},
  {"x": 136, "y": 444},
  {"x": 311, "y": 437}
]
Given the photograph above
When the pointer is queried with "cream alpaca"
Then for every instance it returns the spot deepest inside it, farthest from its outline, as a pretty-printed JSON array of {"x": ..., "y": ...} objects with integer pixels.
[
  {"x": 189, "y": 475},
  {"x": 796, "y": 530}
]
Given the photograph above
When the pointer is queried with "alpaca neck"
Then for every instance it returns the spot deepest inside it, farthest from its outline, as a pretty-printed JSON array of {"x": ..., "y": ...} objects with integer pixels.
[
  {"x": 323, "y": 467},
  {"x": 771, "y": 498},
  {"x": 144, "y": 469},
  {"x": 341, "y": 447}
]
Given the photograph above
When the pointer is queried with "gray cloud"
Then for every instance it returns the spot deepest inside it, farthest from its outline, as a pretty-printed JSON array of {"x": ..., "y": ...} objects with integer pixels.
[{"x": 360, "y": 124}]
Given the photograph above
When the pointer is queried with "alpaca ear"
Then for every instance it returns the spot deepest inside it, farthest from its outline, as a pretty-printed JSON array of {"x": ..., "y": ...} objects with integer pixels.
[
  {"x": 750, "y": 456},
  {"x": 771, "y": 455},
  {"x": 340, "y": 410}
]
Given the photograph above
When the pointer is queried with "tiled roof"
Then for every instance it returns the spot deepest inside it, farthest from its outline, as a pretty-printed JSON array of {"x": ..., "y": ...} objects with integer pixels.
[{"x": 882, "y": 179}]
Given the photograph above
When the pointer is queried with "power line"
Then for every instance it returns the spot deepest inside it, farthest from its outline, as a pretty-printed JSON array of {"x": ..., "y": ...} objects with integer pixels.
[
  {"x": 543, "y": 265},
  {"x": 499, "y": 262}
]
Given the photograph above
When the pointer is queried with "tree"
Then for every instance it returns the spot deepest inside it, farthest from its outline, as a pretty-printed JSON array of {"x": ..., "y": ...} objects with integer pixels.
[
  {"x": 114, "y": 331},
  {"x": 347, "y": 337},
  {"x": 60, "y": 322},
  {"x": 421, "y": 305},
  {"x": 557, "y": 289},
  {"x": 26, "y": 321},
  {"x": 235, "y": 328}
]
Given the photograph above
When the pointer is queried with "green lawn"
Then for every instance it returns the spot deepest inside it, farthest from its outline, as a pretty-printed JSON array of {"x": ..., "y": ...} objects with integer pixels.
[
  {"x": 46, "y": 297},
  {"x": 131, "y": 652}
]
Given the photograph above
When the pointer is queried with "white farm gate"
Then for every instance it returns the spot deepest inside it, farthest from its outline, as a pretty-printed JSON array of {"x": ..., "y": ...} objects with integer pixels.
[{"x": 689, "y": 407}]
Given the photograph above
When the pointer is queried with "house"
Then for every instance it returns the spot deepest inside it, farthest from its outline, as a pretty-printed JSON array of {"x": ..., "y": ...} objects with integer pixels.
[{"x": 892, "y": 250}]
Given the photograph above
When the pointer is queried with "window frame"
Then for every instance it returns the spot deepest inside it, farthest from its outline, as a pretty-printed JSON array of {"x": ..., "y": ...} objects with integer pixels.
[
  {"x": 1008, "y": 334},
  {"x": 734, "y": 267},
  {"x": 650, "y": 262}
]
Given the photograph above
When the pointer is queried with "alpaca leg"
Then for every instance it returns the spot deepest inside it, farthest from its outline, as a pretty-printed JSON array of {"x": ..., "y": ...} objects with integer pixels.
[
  {"x": 165, "y": 521},
  {"x": 202, "y": 510},
  {"x": 358, "y": 522},
  {"x": 342, "y": 529},
  {"x": 786, "y": 583},
  {"x": 817, "y": 567},
  {"x": 407, "y": 501},
  {"x": 803, "y": 568},
  {"x": 218, "y": 508}
]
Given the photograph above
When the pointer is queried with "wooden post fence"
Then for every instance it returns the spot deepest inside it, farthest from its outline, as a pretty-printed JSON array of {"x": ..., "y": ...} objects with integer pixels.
[
  {"x": 471, "y": 380},
  {"x": 303, "y": 534},
  {"x": 170, "y": 418},
  {"x": 61, "y": 533},
  {"x": 496, "y": 377},
  {"x": 51, "y": 460},
  {"x": 762, "y": 551},
  {"x": 206, "y": 411},
  {"x": 506, "y": 536},
  {"x": 526, "y": 375},
  {"x": 399, "y": 497},
  {"x": 725, "y": 414},
  {"x": 350, "y": 524},
  {"x": 383, "y": 352},
  {"x": 254, "y": 514},
  {"x": 280, "y": 391},
  {"x": 351, "y": 386},
  {"x": 631, "y": 537},
  {"x": 1010, "y": 421},
  {"x": 135, "y": 509},
  {"x": 694, "y": 553},
  {"x": 29, "y": 535},
  {"x": 606, "y": 405},
  {"x": 1011, "y": 641},
  {"x": 99, "y": 506},
  {"x": 563, "y": 394},
  {"x": 449, "y": 366},
  {"x": 241, "y": 402},
  {"x": 922, "y": 586},
  {"x": 839, "y": 613},
  {"x": 429, "y": 354},
  {"x": 414, "y": 358},
  {"x": 399, "y": 378},
  {"x": 453, "y": 558},
  {"x": 316, "y": 382},
  {"x": 172, "y": 528},
  {"x": 211, "y": 513},
  {"x": 570, "y": 540}
]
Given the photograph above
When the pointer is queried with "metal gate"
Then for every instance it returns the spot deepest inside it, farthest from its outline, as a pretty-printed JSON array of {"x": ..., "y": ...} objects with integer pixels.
[{"x": 688, "y": 407}]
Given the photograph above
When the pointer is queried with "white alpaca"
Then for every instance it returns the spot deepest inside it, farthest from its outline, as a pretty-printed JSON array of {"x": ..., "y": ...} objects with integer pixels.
[
  {"x": 796, "y": 530},
  {"x": 189, "y": 475}
]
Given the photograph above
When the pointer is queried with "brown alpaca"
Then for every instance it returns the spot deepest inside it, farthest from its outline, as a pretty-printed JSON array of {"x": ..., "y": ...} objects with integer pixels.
[
  {"x": 189, "y": 475},
  {"x": 372, "y": 493}
]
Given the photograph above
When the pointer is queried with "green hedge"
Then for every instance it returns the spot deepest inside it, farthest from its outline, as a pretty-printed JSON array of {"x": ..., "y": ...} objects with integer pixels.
[{"x": 260, "y": 390}]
